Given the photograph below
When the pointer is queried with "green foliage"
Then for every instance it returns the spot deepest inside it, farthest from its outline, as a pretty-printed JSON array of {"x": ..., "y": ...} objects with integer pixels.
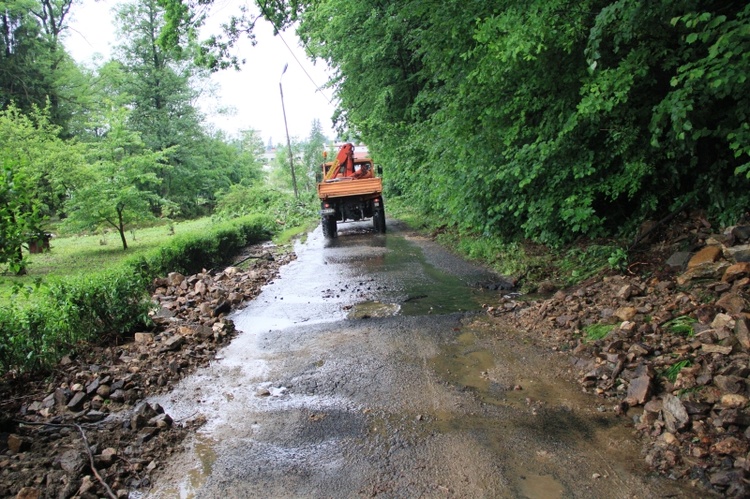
[
  {"x": 34, "y": 166},
  {"x": 672, "y": 371},
  {"x": 19, "y": 218},
  {"x": 66, "y": 313},
  {"x": 35, "y": 334},
  {"x": 596, "y": 332},
  {"x": 543, "y": 119},
  {"x": 682, "y": 325},
  {"x": 118, "y": 187},
  {"x": 31, "y": 143},
  {"x": 280, "y": 206},
  {"x": 161, "y": 86},
  {"x": 190, "y": 253},
  {"x": 618, "y": 259}
]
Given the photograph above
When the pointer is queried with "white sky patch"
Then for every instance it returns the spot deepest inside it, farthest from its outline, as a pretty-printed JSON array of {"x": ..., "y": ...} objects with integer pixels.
[{"x": 252, "y": 93}]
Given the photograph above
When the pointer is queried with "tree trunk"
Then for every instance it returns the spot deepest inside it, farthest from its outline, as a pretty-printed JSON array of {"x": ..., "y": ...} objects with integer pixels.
[
  {"x": 21, "y": 266},
  {"x": 121, "y": 229}
]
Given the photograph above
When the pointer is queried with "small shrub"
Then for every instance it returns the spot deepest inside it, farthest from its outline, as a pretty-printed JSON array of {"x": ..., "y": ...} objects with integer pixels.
[
  {"x": 672, "y": 371},
  {"x": 681, "y": 325},
  {"x": 618, "y": 259},
  {"x": 596, "y": 332}
]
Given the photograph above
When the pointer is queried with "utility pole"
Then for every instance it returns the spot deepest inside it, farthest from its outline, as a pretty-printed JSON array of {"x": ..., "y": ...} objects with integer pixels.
[{"x": 288, "y": 142}]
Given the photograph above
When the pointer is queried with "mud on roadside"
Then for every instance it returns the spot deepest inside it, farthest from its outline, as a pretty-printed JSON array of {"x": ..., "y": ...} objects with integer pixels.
[
  {"x": 672, "y": 353},
  {"x": 85, "y": 430}
]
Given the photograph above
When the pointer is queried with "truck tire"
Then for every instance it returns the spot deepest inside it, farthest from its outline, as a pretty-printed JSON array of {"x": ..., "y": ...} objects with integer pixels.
[
  {"x": 378, "y": 219},
  {"x": 329, "y": 227}
]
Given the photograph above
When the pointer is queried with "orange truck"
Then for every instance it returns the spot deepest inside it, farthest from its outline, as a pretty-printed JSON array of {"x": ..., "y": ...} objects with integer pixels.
[{"x": 349, "y": 190}]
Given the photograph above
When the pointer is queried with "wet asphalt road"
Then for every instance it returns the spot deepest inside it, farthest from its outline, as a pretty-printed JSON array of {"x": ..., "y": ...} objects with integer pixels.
[{"x": 368, "y": 370}]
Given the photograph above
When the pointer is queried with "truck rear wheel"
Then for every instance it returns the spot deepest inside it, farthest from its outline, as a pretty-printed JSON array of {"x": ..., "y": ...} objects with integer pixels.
[
  {"x": 378, "y": 219},
  {"x": 329, "y": 227}
]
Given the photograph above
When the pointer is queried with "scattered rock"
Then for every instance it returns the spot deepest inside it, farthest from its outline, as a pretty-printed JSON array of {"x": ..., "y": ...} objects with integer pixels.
[
  {"x": 738, "y": 253},
  {"x": 678, "y": 260},
  {"x": 675, "y": 415},
  {"x": 17, "y": 444},
  {"x": 709, "y": 254},
  {"x": 107, "y": 386},
  {"x": 681, "y": 350},
  {"x": 732, "y": 303},
  {"x": 144, "y": 337},
  {"x": 173, "y": 343},
  {"x": 736, "y": 271}
]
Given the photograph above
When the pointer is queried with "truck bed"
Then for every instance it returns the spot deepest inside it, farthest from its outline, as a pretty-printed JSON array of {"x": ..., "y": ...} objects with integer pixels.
[{"x": 344, "y": 188}]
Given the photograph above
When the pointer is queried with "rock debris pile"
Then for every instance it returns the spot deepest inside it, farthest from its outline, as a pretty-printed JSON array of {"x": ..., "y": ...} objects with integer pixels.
[
  {"x": 667, "y": 346},
  {"x": 87, "y": 431}
]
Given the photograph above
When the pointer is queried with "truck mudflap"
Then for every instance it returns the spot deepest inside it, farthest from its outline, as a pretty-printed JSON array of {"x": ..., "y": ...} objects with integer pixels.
[{"x": 327, "y": 211}]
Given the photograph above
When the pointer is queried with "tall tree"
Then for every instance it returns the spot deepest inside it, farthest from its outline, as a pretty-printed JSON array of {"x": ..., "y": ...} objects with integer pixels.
[
  {"x": 312, "y": 157},
  {"x": 119, "y": 188},
  {"x": 38, "y": 172},
  {"x": 157, "y": 82},
  {"x": 34, "y": 68}
]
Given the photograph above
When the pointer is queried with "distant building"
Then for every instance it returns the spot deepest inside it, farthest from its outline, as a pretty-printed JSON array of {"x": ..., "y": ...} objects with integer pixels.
[{"x": 269, "y": 154}]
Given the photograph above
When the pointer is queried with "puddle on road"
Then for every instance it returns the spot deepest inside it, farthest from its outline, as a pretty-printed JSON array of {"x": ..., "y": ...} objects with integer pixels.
[
  {"x": 204, "y": 450},
  {"x": 522, "y": 397},
  {"x": 372, "y": 309},
  {"x": 465, "y": 364},
  {"x": 540, "y": 487},
  {"x": 400, "y": 273}
]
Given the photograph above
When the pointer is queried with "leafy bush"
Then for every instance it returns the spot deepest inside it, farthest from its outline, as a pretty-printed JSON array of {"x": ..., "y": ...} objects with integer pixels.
[
  {"x": 282, "y": 207},
  {"x": 69, "y": 312}
]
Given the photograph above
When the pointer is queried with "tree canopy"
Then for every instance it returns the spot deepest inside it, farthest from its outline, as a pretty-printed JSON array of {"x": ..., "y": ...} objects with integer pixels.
[
  {"x": 105, "y": 147},
  {"x": 543, "y": 119}
]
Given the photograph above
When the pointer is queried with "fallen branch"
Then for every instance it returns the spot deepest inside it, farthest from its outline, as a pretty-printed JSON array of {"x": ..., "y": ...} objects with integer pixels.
[
  {"x": 640, "y": 237},
  {"x": 93, "y": 466},
  {"x": 85, "y": 442}
]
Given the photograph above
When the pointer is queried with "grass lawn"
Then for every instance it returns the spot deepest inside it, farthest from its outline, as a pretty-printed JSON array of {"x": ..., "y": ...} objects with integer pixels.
[{"x": 77, "y": 255}]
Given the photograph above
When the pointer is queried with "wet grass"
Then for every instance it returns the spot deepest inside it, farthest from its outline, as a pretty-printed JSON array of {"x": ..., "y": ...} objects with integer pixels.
[
  {"x": 596, "y": 332},
  {"x": 287, "y": 235},
  {"x": 682, "y": 325},
  {"x": 672, "y": 371},
  {"x": 85, "y": 254},
  {"x": 527, "y": 262}
]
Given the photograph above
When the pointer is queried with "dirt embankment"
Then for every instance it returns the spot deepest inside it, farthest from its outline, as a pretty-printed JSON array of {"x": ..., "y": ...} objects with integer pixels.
[
  {"x": 673, "y": 350},
  {"x": 84, "y": 430}
]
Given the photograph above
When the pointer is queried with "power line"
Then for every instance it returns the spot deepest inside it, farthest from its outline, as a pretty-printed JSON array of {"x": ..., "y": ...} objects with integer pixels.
[{"x": 278, "y": 32}]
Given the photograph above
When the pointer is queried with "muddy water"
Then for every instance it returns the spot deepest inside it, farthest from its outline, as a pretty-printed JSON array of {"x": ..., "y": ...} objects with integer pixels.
[{"x": 368, "y": 369}]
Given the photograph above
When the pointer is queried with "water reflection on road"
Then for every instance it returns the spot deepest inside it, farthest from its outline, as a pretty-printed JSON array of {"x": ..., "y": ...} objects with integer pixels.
[{"x": 367, "y": 369}]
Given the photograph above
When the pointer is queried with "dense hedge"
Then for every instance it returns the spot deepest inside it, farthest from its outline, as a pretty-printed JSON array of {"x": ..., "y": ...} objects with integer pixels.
[
  {"x": 192, "y": 253},
  {"x": 68, "y": 313}
]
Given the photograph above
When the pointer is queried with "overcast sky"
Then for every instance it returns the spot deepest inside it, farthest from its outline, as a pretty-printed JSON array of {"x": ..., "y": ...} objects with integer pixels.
[{"x": 253, "y": 92}]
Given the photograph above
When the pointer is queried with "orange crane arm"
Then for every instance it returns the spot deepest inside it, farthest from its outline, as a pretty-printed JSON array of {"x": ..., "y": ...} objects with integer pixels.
[{"x": 345, "y": 157}]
